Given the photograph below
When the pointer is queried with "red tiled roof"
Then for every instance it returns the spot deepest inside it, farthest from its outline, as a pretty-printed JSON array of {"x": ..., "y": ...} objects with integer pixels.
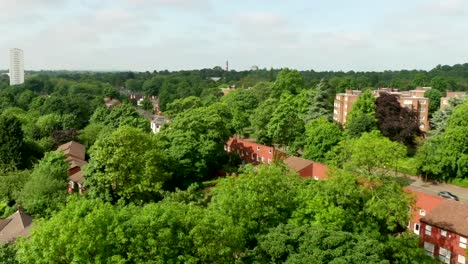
[
  {"x": 296, "y": 164},
  {"x": 451, "y": 216},
  {"x": 424, "y": 201}
]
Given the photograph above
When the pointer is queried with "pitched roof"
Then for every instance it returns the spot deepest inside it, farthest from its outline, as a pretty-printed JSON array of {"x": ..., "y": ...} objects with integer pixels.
[
  {"x": 17, "y": 224},
  {"x": 77, "y": 177},
  {"x": 296, "y": 164},
  {"x": 75, "y": 162},
  {"x": 74, "y": 149},
  {"x": 451, "y": 216}
]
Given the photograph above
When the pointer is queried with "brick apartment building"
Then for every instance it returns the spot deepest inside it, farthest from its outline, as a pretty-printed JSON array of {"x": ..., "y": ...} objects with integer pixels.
[
  {"x": 444, "y": 232},
  {"x": 413, "y": 100},
  {"x": 251, "y": 152},
  {"x": 444, "y": 101},
  {"x": 342, "y": 105},
  {"x": 441, "y": 224}
]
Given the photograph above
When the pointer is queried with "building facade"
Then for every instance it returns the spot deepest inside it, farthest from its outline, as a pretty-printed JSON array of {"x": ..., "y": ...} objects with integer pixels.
[
  {"x": 251, "y": 152},
  {"x": 444, "y": 232},
  {"x": 413, "y": 100},
  {"x": 444, "y": 101},
  {"x": 16, "y": 66},
  {"x": 342, "y": 105}
]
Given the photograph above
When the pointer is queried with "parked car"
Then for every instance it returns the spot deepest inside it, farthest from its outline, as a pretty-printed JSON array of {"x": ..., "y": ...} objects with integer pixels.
[{"x": 448, "y": 195}]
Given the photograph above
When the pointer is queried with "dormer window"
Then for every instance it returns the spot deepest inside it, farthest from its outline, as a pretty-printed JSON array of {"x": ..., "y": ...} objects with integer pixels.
[{"x": 422, "y": 212}]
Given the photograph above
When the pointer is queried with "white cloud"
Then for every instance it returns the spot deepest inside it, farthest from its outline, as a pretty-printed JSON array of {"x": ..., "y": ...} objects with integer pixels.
[{"x": 445, "y": 7}]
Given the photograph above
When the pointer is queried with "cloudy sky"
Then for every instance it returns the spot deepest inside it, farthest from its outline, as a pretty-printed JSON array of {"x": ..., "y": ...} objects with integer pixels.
[{"x": 151, "y": 35}]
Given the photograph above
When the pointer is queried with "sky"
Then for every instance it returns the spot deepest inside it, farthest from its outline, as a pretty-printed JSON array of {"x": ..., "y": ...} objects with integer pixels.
[{"x": 147, "y": 35}]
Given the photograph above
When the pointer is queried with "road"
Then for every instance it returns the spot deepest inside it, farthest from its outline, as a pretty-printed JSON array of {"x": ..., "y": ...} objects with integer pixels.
[{"x": 434, "y": 188}]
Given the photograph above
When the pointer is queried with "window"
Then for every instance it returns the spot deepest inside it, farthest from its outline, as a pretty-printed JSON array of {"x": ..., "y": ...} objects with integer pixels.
[
  {"x": 316, "y": 178},
  {"x": 422, "y": 212},
  {"x": 461, "y": 259},
  {"x": 259, "y": 158},
  {"x": 422, "y": 110},
  {"x": 423, "y": 102},
  {"x": 416, "y": 229},
  {"x": 443, "y": 233},
  {"x": 429, "y": 248},
  {"x": 225, "y": 147},
  {"x": 253, "y": 156},
  {"x": 444, "y": 255},
  {"x": 462, "y": 242},
  {"x": 258, "y": 148},
  {"x": 269, "y": 161},
  {"x": 408, "y": 102},
  {"x": 269, "y": 151},
  {"x": 428, "y": 230},
  {"x": 229, "y": 149}
]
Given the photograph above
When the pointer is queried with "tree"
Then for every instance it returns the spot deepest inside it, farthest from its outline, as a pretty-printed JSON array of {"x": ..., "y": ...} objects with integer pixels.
[
  {"x": 444, "y": 156},
  {"x": 260, "y": 118},
  {"x": 370, "y": 154},
  {"x": 439, "y": 83},
  {"x": 12, "y": 184},
  {"x": 8, "y": 254},
  {"x": 46, "y": 190},
  {"x": 181, "y": 105},
  {"x": 396, "y": 122},
  {"x": 196, "y": 141},
  {"x": 440, "y": 117},
  {"x": 257, "y": 199},
  {"x": 147, "y": 105},
  {"x": 121, "y": 115},
  {"x": 312, "y": 244},
  {"x": 320, "y": 104},
  {"x": 241, "y": 103},
  {"x": 361, "y": 118},
  {"x": 11, "y": 141},
  {"x": 287, "y": 80},
  {"x": 434, "y": 100},
  {"x": 135, "y": 85},
  {"x": 128, "y": 164},
  {"x": 165, "y": 232},
  {"x": 285, "y": 124},
  {"x": 352, "y": 203},
  {"x": 320, "y": 136},
  {"x": 153, "y": 86}
]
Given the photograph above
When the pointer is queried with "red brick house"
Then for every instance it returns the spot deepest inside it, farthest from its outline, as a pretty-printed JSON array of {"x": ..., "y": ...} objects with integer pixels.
[
  {"x": 444, "y": 232},
  {"x": 253, "y": 153},
  {"x": 75, "y": 154},
  {"x": 425, "y": 203},
  {"x": 306, "y": 168}
]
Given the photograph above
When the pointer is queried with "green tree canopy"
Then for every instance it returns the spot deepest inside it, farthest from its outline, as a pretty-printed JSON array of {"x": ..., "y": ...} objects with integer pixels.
[
  {"x": 196, "y": 141},
  {"x": 434, "y": 100},
  {"x": 128, "y": 164},
  {"x": 287, "y": 80},
  {"x": 11, "y": 141},
  {"x": 46, "y": 190},
  {"x": 320, "y": 136},
  {"x": 370, "y": 154},
  {"x": 260, "y": 118},
  {"x": 285, "y": 124}
]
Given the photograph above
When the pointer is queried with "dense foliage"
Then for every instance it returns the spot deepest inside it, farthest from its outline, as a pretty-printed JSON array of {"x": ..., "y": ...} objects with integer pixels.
[{"x": 154, "y": 198}]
